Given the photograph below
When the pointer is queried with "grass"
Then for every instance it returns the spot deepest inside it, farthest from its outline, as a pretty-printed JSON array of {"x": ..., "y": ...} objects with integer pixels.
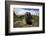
[{"x": 35, "y": 21}]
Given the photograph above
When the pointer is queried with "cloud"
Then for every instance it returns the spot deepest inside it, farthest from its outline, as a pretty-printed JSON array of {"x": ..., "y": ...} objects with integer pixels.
[{"x": 20, "y": 11}]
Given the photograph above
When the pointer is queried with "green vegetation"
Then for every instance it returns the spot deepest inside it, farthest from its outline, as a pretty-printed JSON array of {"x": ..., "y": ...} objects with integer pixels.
[{"x": 35, "y": 21}]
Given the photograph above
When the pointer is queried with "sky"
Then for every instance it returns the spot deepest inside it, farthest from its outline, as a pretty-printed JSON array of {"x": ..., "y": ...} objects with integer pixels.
[{"x": 22, "y": 11}]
